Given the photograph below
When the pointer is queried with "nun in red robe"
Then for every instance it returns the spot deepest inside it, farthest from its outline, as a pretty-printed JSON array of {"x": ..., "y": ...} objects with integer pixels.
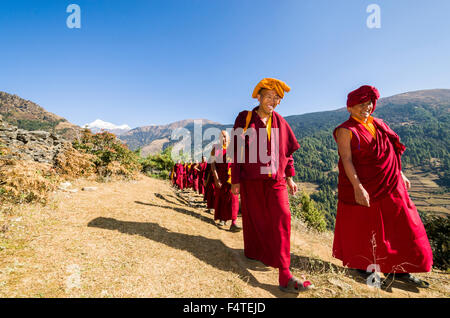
[
  {"x": 201, "y": 176},
  {"x": 226, "y": 206},
  {"x": 377, "y": 224},
  {"x": 209, "y": 196},
  {"x": 262, "y": 182},
  {"x": 189, "y": 175},
  {"x": 179, "y": 175},
  {"x": 195, "y": 172},
  {"x": 185, "y": 175}
]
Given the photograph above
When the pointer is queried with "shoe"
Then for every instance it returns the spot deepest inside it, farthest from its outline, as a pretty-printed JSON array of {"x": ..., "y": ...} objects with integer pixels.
[
  {"x": 413, "y": 280},
  {"x": 235, "y": 228},
  {"x": 296, "y": 286},
  {"x": 221, "y": 224}
]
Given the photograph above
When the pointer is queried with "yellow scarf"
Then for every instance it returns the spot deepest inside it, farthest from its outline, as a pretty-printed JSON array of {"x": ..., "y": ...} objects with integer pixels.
[{"x": 368, "y": 125}]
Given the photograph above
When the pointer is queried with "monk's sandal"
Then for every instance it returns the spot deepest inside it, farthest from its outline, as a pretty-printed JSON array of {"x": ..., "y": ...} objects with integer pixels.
[
  {"x": 296, "y": 286},
  {"x": 413, "y": 280},
  {"x": 235, "y": 228}
]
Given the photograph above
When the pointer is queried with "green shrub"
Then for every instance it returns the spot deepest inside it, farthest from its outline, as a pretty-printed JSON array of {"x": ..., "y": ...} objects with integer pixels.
[
  {"x": 37, "y": 124},
  {"x": 303, "y": 207},
  {"x": 159, "y": 165},
  {"x": 111, "y": 156}
]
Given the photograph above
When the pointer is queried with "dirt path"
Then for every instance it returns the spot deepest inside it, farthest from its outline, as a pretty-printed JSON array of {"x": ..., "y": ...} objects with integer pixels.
[{"x": 144, "y": 239}]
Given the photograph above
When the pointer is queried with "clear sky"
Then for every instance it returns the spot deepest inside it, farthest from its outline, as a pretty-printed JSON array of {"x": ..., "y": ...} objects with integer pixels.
[{"x": 155, "y": 62}]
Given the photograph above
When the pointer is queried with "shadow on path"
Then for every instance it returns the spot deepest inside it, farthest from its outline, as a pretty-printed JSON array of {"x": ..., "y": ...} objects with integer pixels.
[
  {"x": 181, "y": 210},
  {"x": 210, "y": 251}
]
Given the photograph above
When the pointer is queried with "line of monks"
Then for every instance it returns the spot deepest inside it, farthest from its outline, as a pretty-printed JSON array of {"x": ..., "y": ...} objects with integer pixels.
[
  {"x": 377, "y": 225},
  {"x": 189, "y": 175},
  {"x": 213, "y": 181}
]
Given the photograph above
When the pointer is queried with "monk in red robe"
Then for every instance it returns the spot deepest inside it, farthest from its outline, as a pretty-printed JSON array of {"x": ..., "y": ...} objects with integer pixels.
[
  {"x": 195, "y": 172},
  {"x": 191, "y": 174},
  {"x": 226, "y": 206},
  {"x": 262, "y": 183},
  {"x": 172, "y": 176},
  {"x": 209, "y": 195},
  {"x": 185, "y": 175},
  {"x": 179, "y": 175},
  {"x": 377, "y": 224},
  {"x": 201, "y": 176}
]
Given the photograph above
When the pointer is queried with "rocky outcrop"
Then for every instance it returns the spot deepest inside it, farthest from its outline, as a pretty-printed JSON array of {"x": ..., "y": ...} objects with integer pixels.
[{"x": 39, "y": 146}]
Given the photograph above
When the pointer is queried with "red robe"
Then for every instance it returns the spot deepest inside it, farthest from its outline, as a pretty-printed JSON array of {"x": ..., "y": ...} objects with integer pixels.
[
  {"x": 266, "y": 217},
  {"x": 194, "y": 174},
  {"x": 191, "y": 176},
  {"x": 226, "y": 206},
  {"x": 210, "y": 189},
  {"x": 185, "y": 175},
  {"x": 179, "y": 175},
  {"x": 390, "y": 232},
  {"x": 201, "y": 177}
]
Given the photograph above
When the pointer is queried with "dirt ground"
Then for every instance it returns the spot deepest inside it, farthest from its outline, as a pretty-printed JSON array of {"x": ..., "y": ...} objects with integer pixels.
[{"x": 145, "y": 239}]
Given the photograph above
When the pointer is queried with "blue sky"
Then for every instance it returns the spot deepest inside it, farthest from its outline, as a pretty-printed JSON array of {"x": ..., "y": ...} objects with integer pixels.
[{"x": 155, "y": 62}]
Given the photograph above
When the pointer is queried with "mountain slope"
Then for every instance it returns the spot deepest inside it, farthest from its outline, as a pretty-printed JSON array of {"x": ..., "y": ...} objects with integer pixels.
[{"x": 28, "y": 115}]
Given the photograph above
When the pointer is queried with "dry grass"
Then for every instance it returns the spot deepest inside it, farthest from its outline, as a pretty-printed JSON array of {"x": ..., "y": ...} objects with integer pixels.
[
  {"x": 71, "y": 163},
  {"x": 143, "y": 239},
  {"x": 29, "y": 181},
  {"x": 25, "y": 181}
]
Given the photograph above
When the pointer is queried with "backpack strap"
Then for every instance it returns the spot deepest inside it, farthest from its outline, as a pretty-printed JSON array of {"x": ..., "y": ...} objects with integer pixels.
[
  {"x": 247, "y": 123},
  {"x": 247, "y": 120}
]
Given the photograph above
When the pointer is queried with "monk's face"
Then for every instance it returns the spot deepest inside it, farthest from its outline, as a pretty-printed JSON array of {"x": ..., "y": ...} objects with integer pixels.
[
  {"x": 361, "y": 111},
  {"x": 224, "y": 137},
  {"x": 268, "y": 100}
]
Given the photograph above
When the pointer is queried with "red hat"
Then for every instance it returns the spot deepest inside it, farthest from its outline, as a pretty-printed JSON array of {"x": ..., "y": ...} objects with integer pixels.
[{"x": 362, "y": 95}]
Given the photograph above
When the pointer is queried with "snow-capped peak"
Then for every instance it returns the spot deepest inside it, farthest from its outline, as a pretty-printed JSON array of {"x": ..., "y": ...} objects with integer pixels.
[{"x": 98, "y": 123}]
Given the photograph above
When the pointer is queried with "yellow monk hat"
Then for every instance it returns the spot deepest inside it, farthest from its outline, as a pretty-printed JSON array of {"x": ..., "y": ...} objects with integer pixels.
[{"x": 271, "y": 83}]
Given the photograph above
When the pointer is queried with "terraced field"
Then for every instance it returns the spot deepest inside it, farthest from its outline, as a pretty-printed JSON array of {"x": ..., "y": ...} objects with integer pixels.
[{"x": 426, "y": 193}]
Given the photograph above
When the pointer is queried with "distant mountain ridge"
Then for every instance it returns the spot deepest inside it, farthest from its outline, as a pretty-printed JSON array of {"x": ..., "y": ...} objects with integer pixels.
[{"x": 152, "y": 139}]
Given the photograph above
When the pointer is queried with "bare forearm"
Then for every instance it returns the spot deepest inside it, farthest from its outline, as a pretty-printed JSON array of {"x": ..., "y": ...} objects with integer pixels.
[{"x": 350, "y": 171}]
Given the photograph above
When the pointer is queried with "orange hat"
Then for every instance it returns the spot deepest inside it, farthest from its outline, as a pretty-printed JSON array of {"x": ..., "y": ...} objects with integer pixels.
[{"x": 271, "y": 83}]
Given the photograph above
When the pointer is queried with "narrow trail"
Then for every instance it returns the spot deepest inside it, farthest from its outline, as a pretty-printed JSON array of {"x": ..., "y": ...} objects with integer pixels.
[{"x": 145, "y": 239}]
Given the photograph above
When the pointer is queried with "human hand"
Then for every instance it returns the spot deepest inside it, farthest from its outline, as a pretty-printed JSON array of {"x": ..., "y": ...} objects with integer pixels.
[
  {"x": 362, "y": 196},
  {"x": 406, "y": 181},
  {"x": 292, "y": 186}
]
